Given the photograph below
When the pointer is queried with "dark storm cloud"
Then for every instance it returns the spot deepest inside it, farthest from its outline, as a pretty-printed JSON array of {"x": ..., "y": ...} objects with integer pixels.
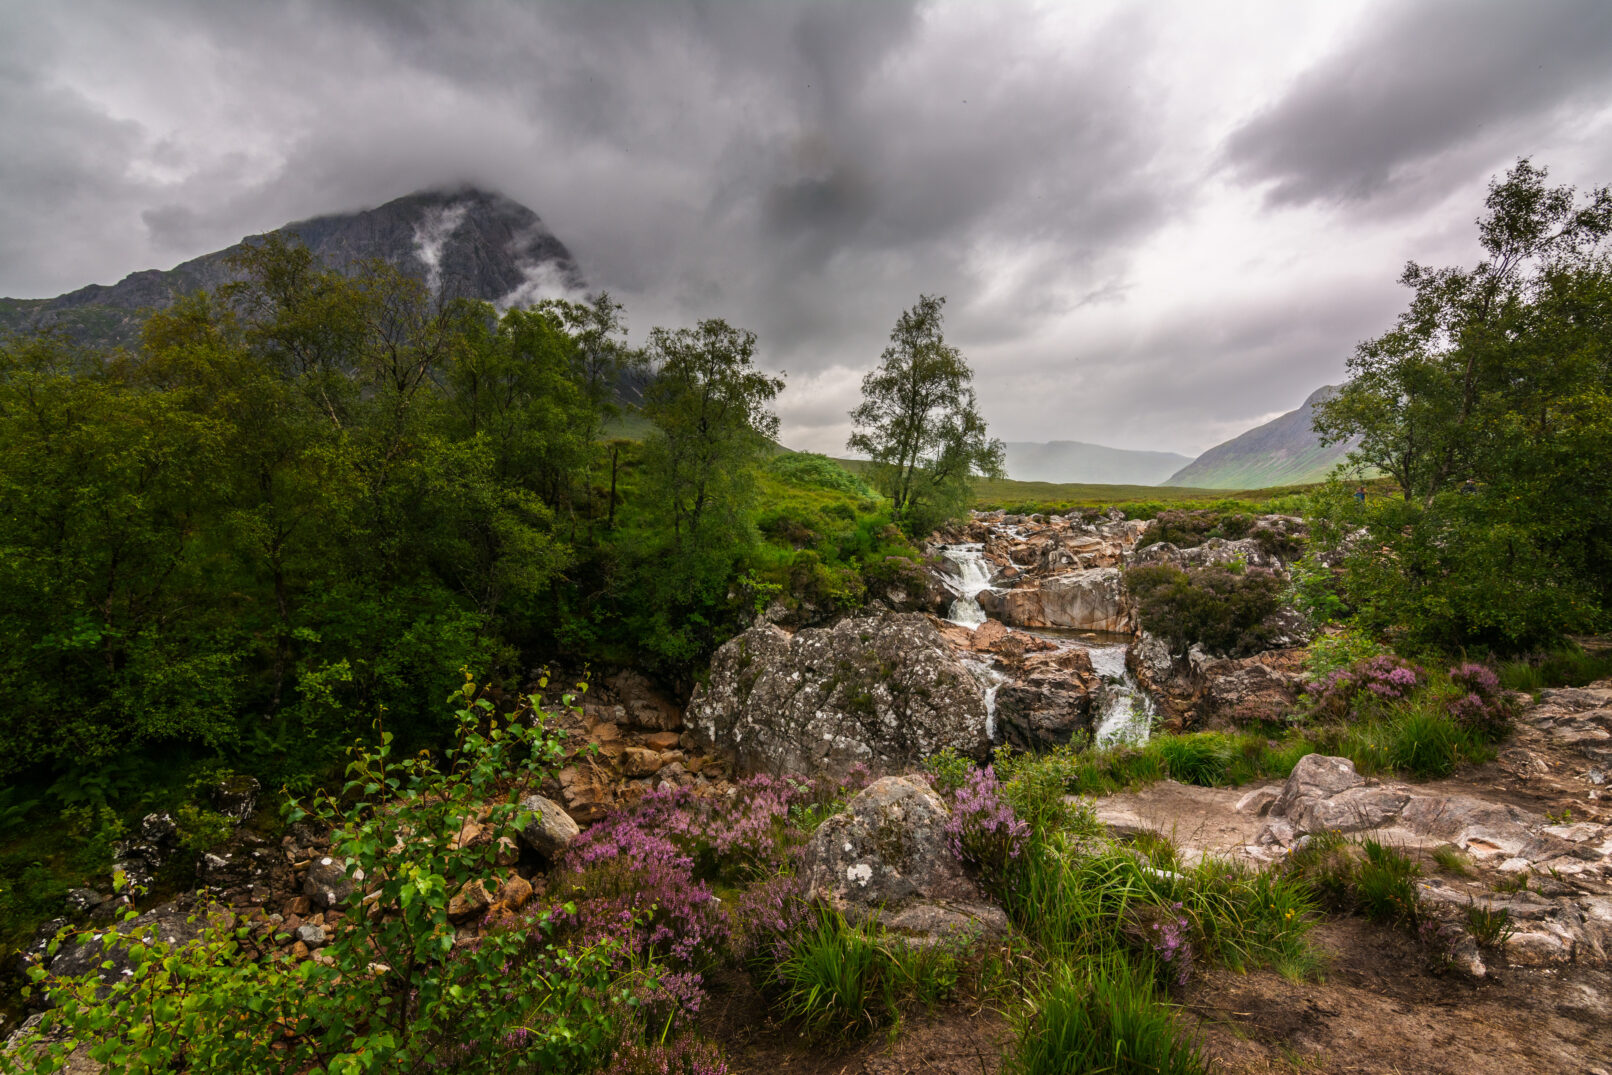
[
  {"x": 1395, "y": 106},
  {"x": 805, "y": 169}
]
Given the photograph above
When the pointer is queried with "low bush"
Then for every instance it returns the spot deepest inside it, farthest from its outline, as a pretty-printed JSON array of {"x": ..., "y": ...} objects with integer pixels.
[
  {"x": 983, "y": 831},
  {"x": 393, "y": 987},
  {"x": 1224, "y": 610}
]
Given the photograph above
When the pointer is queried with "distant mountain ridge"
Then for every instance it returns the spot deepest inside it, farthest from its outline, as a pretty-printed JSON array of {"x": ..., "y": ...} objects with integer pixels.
[
  {"x": 1062, "y": 461},
  {"x": 1283, "y": 451},
  {"x": 469, "y": 243}
]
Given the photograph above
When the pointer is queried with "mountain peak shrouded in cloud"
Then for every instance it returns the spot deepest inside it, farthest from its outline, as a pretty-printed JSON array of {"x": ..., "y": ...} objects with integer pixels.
[{"x": 461, "y": 241}]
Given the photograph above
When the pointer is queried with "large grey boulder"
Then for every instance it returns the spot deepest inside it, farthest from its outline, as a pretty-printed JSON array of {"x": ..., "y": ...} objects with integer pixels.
[
  {"x": 887, "y": 853},
  {"x": 883, "y": 691},
  {"x": 1090, "y": 600}
]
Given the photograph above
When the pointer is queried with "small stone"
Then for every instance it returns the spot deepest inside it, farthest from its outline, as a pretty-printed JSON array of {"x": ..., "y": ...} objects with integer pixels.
[
  {"x": 468, "y": 902},
  {"x": 299, "y": 951},
  {"x": 312, "y": 936},
  {"x": 551, "y": 829},
  {"x": 639, "y": 761},
  {"x": 514, "y": 891}
]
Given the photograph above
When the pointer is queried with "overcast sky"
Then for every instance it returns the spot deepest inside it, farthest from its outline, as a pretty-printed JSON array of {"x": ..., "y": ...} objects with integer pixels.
[{"x": 1155, "y": 224}]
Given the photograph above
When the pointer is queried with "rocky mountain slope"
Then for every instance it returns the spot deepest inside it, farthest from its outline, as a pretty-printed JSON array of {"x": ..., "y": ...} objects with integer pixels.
[
  {"x": 1077, "y": 461},
  {"x": 1283, "y": 451},
  {"x": 466, "y": 242}
]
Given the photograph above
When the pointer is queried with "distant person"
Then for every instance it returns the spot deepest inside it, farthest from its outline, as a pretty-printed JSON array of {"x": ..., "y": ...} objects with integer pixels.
[
  {"x": 1469, "y": 487},
  {"x": 1360, "y": 495}
]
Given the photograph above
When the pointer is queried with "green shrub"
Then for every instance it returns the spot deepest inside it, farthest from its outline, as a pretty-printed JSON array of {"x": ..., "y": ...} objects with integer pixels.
[
  {"x": 948, "y": 770},
  {"x": 811, "y": 469},
  {"x": 1222, "y": 609}
]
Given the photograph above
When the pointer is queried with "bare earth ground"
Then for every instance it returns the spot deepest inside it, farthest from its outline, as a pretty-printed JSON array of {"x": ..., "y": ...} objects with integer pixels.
[{"x": 1381, "y": 1008}]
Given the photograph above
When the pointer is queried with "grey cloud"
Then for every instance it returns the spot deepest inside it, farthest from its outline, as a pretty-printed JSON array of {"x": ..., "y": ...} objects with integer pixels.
[
  {"x": 1420, "y": 83},
  {"x": 804, "y": 169}
]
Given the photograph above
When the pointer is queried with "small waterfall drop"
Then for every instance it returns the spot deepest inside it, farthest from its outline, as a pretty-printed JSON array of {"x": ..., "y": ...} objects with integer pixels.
[
  {"x": 974, "y": 576},
  {"x": 1127, "y": 711},
  {"x": 990, "y": 679}
]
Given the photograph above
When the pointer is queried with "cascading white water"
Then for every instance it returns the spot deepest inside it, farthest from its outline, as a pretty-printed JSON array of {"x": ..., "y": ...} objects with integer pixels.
[
  {"x": 990, "y": 679},
  {"x": 1128, "y": 712},
  {"x": 974, "y": 576}
]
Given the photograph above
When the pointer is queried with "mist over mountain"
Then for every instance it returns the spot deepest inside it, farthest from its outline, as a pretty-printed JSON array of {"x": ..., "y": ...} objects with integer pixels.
[
  {"x": 1077, "y": 461},
  {"x": 465, "y": 242},
  {"x": 1283, "y": 451}
]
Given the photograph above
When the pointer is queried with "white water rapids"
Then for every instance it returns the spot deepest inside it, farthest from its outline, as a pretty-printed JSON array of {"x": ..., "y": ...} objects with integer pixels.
[
  {"x": 973, "y": 577},
  {"x": 1127, "y": 712}
]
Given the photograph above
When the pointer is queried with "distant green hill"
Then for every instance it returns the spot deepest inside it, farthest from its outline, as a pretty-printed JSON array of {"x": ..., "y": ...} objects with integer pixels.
[
  {"x": 1077, "y": 461},
  {"x": 1283, "y": 451}
]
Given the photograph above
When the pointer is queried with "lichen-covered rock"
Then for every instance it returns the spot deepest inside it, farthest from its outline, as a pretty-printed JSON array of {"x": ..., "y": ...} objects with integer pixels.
[
  {"x": 882, "y": 691},
  {"x": 1245, "y": 551},
  {"x": 887, "y": 849}
]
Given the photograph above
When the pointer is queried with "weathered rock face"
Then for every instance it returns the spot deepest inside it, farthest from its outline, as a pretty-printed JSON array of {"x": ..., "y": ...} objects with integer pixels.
[
  {"x": 1246, "y": 551},
  {"x": 1088, "y": 600},
  {"x": 1051, "y": 696},
  {"x": 1566, "y": 918},
  {"x": 1263, "y": 687},
  {"x": 882, "y": 691},
  {"x": 887, "y": 852}
]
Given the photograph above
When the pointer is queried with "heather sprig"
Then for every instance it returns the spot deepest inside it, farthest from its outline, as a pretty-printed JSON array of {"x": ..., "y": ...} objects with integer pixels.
[{"x": 983, "y": 831}]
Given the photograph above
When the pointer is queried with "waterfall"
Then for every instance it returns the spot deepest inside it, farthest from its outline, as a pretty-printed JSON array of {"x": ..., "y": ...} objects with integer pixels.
[
  {"x": 1127, "y": 713},
  {"x": 974, "y": 575},
  {"x": 990, "y": 679}
]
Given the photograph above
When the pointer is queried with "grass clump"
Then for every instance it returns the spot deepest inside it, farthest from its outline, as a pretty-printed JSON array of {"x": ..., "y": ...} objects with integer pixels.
[
  {"x": 840, "y": 980},
  {"x": 1573, "y": 667},
  {"x": 1373, "y": 878},
  {"x": 1450, "y": 859},
  {"x": 1102, "y": 1018},
  {"x": 1491, "y": 927}
]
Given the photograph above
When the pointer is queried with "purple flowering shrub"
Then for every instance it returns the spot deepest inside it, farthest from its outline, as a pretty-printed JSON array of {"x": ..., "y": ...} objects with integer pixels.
[
  {"x": 1479, "y": 706},
  {"x": 641, "y": 879},
  {"x": 765, "y": 918},
  {"x": 684, "y": 1056},
  {"x": 626, "y": 884},
  {"x": 1164, "y": 934},
  {"x": 983, "y": 831},
  {"x": 1367, "y": 685}
]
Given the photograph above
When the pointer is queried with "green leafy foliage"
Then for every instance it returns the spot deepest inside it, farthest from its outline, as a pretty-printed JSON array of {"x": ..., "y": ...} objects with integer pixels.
[
  {"x": 1488, "y": 405},
  {"x": 394, "y": 991}
]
